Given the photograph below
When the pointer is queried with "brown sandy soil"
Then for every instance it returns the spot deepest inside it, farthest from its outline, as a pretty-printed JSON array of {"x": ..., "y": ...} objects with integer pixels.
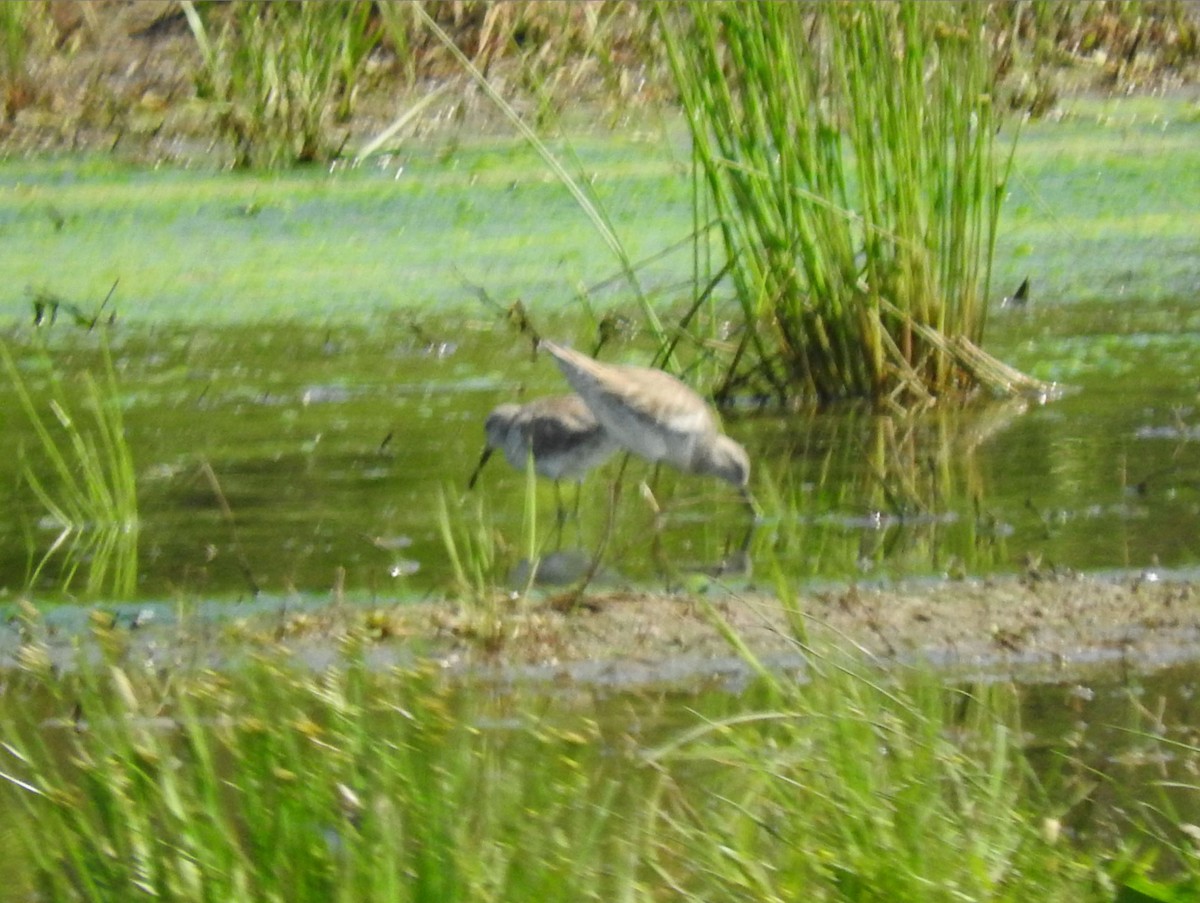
[{"x": 1031, "y": 628}]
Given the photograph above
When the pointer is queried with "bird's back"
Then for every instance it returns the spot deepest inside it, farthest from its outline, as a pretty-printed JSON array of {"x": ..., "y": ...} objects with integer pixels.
[{"x": 648, "y": 411}]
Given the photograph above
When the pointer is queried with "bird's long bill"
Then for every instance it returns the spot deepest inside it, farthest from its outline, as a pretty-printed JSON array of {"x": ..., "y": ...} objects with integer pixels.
[{"x": 483, "y": 459}]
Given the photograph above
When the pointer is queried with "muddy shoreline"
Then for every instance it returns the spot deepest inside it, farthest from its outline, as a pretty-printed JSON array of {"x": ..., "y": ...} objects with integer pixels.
[{"x": 1030, "y": 629}]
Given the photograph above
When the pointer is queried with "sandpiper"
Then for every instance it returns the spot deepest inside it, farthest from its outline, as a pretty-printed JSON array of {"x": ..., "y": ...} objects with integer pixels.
[
  {"x": 656, "y": 416},
  {"x": 560, "y": 432}
]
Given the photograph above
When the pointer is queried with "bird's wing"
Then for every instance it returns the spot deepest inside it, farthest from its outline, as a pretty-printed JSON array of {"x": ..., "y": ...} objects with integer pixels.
[{"x": 649, "y": 394}]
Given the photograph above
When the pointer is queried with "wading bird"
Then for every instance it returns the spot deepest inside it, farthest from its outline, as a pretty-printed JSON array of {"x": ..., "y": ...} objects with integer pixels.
[
  {"x": 560, "y": 432},
  {"x": 654, "y": 415}
]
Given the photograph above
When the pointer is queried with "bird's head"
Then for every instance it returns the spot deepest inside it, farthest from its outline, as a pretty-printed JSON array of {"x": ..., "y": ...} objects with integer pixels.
[
  {"x": 498, "y": 423},
  {"x": 723, "y": 458}
]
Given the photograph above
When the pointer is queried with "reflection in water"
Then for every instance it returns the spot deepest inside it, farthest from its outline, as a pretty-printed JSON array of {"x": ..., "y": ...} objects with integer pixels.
[
  {"x": 1121, "y": 750},
  {"x": 78, "y": 467},
  {"x": 560, "y": 568},
  {"x": 908, "y": 491}
]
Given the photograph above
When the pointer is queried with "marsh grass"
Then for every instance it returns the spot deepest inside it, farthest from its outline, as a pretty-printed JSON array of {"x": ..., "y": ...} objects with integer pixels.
[
  {"x": 849, "y": 155},
  {"x": 271, "y": 781},
  {"x": 856, "y": 784},
  {"x": 469, "y": 539},
  {"x": 853, "y": 783},
  {"x": 1121, "y": 43},
  {"x": 281, "y": 75},
  {"x": 80, "y": 469},
  {"x": 908, "y": 791},
  {"x": 544, "y": 54},
  {"x": 557, "y": 53},
  {"x": 484, "y": 564},
  {"x": 1158, "y": 845}
]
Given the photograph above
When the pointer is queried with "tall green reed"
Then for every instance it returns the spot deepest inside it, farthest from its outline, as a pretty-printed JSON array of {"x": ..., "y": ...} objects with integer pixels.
[
  {"x": 281, "y": 75},
  {"x": 80, "y": 468},
  {"x": 849, "y": 155},
  {"x": 470, "y": 543}
]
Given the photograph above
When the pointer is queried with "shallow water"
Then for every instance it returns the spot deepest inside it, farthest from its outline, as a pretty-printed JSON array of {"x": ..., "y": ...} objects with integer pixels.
[{"x": 331, "y": 449}]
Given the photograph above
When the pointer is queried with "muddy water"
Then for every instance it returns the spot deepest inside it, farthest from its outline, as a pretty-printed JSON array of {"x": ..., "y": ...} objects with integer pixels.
[{"x": 283, "y": 459}]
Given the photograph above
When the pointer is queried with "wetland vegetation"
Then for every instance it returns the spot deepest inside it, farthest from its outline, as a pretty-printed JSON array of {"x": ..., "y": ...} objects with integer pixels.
[{"x": 240, "y": 661}]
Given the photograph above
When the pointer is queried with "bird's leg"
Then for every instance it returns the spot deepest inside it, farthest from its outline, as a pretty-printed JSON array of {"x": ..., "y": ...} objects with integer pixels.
[
  {"x": 560, "y": 516},
  {"x": 575, "y": 515},
  {"x": 666, "y": 569},
  {"x": 738, "y": 562},
  {"x": 571, "y": 598}
]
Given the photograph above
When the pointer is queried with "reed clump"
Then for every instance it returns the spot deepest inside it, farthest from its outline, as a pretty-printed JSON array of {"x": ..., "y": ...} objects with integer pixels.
[{"x": 849, "y": 156}]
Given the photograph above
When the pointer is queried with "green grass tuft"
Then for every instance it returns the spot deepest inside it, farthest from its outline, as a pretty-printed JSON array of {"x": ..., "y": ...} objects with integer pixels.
[
  {"x": 81, "y": 471},
  {"x": 272, "y": 781}
]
